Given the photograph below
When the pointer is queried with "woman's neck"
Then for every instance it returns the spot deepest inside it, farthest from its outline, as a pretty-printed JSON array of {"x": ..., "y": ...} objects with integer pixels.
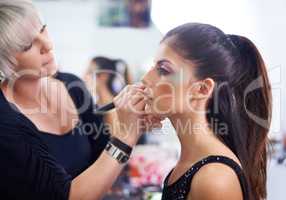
[{"x": 194, "y": 135}]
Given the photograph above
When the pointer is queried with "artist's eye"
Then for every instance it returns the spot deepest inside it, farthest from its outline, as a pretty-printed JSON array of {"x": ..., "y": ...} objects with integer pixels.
[
  {"x": 43, "y": 28},
  {"x": 27, "y": 48}
]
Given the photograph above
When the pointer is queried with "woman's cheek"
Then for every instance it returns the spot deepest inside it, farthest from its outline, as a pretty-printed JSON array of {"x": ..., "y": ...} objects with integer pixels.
[
  {"x": 163, "y": 102},
  {"x": 182, "y": 100}
]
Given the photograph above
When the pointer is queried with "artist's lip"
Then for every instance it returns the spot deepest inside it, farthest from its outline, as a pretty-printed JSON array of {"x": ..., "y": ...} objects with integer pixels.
[{"x": 49, "y": 61}]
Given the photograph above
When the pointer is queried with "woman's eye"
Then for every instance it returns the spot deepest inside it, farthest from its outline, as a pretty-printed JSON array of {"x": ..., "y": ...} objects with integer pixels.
[{"x": 163, "y": 72}]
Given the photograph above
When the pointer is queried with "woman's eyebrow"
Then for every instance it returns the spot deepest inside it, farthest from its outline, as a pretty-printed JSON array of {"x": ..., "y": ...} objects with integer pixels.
[{"x": 163, "y": 61}]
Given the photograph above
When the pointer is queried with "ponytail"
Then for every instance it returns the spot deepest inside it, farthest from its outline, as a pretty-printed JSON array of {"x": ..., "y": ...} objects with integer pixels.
[
  {"x": 244, "y": 104},
  {"x": 256, "y": 109}
]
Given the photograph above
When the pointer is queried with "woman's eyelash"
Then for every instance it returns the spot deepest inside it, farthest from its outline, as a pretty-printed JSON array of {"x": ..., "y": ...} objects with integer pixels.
[{"x": 162, "y": 71}]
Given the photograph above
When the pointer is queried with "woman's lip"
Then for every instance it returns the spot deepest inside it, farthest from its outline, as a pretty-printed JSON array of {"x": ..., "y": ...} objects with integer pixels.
[{"x": 160, "y": 118}]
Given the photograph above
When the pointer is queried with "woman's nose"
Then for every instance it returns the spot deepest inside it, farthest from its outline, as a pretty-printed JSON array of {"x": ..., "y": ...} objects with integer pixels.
[{"x": 149, "y": 78}]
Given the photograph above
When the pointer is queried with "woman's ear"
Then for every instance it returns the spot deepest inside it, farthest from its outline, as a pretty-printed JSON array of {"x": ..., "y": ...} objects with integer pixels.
[{"x": 202, "y": 89}]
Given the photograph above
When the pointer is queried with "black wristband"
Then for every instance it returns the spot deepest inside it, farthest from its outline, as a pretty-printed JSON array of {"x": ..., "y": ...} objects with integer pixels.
[{"x": 122, "y": 146}]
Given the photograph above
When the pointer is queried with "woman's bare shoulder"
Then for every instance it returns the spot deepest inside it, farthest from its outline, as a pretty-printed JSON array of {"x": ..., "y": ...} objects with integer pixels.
[{"x": 215, "y": 181}]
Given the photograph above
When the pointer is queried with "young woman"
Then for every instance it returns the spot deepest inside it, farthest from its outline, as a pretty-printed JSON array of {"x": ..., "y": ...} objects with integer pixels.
[
  {"x": 51, "y": 142},
  {"x": 215, "y": 90},
  {"x": 100, "y": 78},
  {"x": 111, "y": 74}
]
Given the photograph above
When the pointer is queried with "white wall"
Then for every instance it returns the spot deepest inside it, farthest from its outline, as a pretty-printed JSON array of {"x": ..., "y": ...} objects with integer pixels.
[
  {"x": 270, "y": 33},
  {"x": 73, "y": 28}
]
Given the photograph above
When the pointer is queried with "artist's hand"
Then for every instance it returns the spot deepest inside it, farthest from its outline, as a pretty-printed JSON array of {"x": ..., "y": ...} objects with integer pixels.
[{"x": 133, "y": 120}]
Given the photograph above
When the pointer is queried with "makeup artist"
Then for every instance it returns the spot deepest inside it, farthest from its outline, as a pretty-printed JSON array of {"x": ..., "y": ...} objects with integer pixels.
[{"x": 52, "y": 145}]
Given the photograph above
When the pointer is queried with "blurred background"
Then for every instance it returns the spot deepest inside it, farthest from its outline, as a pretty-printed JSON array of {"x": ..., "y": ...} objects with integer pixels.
[{"x": 126, "y": 33}]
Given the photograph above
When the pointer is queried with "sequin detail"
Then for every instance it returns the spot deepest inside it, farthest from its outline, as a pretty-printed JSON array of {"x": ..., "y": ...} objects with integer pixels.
[{"x": 180, "y": 189}]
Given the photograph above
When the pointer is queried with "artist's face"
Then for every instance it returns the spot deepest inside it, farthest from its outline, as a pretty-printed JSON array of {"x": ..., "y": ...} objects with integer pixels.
[{"x": 37, "y": 59}]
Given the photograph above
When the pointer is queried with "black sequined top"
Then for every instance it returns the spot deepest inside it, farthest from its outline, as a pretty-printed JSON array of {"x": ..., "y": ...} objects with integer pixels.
[{"x": 180, "y": 189}]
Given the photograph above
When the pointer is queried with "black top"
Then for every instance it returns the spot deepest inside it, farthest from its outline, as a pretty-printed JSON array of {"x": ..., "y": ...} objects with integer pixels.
[
  {"x": 39, "y": 165},
  {"x": 181, "y": 188}
]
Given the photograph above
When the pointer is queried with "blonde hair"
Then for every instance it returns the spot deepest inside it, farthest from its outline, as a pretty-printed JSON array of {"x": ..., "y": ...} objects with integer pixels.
[{"x": 19, "y": 25}]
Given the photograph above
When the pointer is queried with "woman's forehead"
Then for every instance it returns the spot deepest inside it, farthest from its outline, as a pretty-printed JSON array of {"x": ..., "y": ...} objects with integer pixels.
[{"x": 165, "y": 52}]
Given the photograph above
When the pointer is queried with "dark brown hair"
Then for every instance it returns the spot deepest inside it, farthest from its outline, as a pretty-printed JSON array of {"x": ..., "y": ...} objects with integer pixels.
[
  {"x": 104, "y": 63},
  {"x": 241, "y": 98}
]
